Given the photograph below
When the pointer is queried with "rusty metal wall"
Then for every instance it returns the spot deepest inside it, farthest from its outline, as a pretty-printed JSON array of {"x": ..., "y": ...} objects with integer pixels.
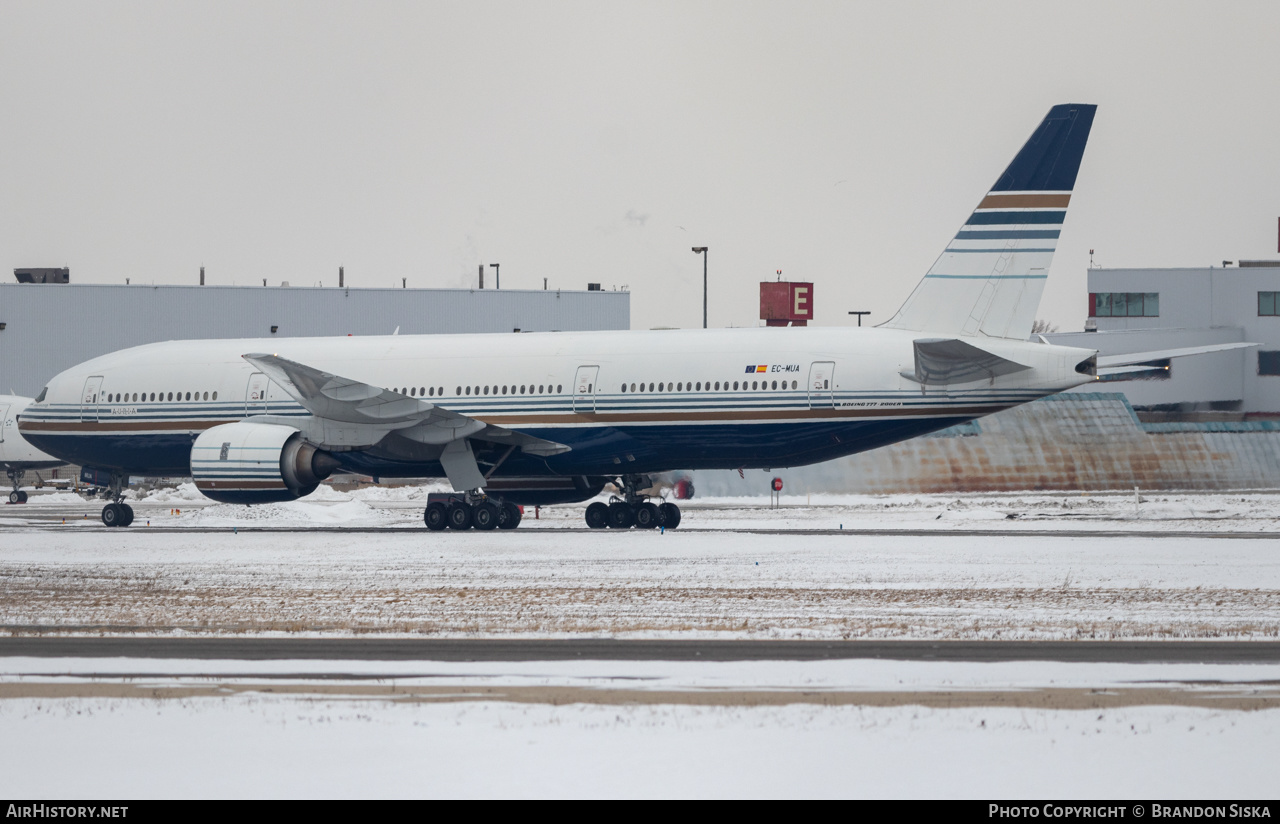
[{"x": 1069, "y": 442}]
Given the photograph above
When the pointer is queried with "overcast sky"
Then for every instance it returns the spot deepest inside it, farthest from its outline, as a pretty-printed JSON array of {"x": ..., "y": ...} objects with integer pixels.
[{"x": 843, "y": 143}]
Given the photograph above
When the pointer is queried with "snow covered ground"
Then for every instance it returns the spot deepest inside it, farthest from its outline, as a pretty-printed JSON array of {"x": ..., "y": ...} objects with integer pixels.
[
  {"x": 210, "y": 729},
  {"x": 734, "y": 568},
  {"x": 375, "y": 506},
  {"x": 1025, "y": 566}
]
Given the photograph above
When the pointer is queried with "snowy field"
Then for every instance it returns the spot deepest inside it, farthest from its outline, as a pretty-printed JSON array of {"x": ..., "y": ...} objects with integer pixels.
[
  {"x": 392, "y": 507},
  {"x": 731, "y": 570},
  {"x": 207, "y": 729},
  {"x": 993, "y": 567}
]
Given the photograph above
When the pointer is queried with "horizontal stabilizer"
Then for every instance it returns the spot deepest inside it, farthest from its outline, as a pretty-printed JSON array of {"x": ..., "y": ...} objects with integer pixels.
[
  {"x": 1135, "y": 358},
  {"x": 941, "y": 361}
]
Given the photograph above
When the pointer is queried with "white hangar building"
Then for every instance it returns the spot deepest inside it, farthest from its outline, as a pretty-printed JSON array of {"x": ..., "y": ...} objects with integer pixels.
[
  {"x": 50, "y": 325},
  {"x": 1148, "y": 310}
]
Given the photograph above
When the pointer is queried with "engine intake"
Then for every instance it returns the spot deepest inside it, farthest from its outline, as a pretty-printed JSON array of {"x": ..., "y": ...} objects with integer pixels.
[{"x": 257, "y": 463}]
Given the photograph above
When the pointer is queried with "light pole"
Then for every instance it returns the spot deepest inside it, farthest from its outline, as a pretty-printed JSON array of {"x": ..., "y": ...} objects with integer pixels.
[
  {"x": 702, "y": 250},
  {"x": 497, "y": 276}
]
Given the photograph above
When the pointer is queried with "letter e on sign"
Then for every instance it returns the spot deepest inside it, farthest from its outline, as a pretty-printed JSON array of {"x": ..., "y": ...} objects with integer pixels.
[{"x": 801, "y": 301}]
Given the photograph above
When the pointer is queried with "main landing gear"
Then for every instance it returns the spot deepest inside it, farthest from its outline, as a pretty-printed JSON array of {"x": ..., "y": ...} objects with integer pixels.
[
  {"x": 458, "y": 510},
  {"x": 633, "y": 508},
  {"x": 17, "y": 496},
  {"x": 117, "y": 513}
]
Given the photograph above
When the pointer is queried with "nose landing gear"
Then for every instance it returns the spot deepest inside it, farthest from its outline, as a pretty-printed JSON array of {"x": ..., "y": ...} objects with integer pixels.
[
  {"x": 633, "y": 508},
  {"x": 117, "y": 513},
  {"x": 17, "y": 496}
]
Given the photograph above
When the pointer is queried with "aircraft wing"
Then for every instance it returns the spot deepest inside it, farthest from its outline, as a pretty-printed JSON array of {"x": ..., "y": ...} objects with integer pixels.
[
  {"x": 950, "y": 361},
  {"x": 351, "y": 404}
]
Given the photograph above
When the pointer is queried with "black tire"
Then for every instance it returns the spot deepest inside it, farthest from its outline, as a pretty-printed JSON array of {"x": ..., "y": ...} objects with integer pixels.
[
  {"x": 436, "y": 516},
  {"x": 598, "y": 515},
  {"x": 459, "y": 515},
  {"x": 485, "y": 515},
  {"x": 14, "y": 497},
  {"x": 670, "y": 514},
  {"x": 647, "y": 516},
  {"x": 621, "y": 516},
  {"x": 128, "y": 514},
  {"x": 111, "y": 515},
  {"x": 22, "y": 497},
  {"x": 511, "y": 517}
]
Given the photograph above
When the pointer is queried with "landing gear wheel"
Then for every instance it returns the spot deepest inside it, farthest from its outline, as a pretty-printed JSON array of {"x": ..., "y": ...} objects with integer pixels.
[
  {"x": 598, "y": 515},
  {"x": 511, "y": 517},
  {"x": 621, "y": 516},
  {"x": 670, "y": 514},
  {"x": 127, "y": 512},
  {"x": 112, "y": 515},
  {"x": 436, "y": 516},
  {"x": 647, "y": 516},
  {"x": 459, "y": 515},
  {"x": 22, "y": 497},
  {"x": 15, "y": 497},
  {"x": 485, "y": 515}
]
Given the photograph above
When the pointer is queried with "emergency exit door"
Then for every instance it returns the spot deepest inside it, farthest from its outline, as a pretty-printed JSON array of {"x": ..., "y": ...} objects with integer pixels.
[
  {"x": 255, "y": 395},
  {"x": 822, "y": 385},
  {"x": 89, "y": 398},
  {"x": 584, "y": 389}
]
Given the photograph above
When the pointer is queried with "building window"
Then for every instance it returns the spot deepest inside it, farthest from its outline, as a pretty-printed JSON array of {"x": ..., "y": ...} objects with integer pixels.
[
  {"x": 1124, "y": 305},
  {"x": 1269, "y": 363},
  {"x": 1267, "y": 304}
]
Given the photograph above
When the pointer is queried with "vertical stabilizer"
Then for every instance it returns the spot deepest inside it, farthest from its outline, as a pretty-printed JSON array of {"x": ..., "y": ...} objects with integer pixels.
[{"x": 990, "y": 278}]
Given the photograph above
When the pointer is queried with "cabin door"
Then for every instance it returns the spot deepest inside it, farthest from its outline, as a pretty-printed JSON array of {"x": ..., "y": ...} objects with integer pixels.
[
  {"x": 89, "y": 399},
  {"x": 584, "y": 389},
  {"x": 255, "y": 395},
  {"x": 4, "y": 419},
  {"x": 822, "y": 385}
]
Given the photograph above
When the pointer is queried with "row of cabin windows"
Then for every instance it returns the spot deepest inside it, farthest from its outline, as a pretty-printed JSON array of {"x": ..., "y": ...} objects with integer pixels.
[
  {"x": 143, "y": 397},
  {"x": 523, "y": 389},
  {"x": 681, "y": 386}
]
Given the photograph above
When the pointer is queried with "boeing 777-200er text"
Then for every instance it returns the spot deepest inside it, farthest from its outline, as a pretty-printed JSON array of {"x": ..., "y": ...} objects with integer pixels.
[{"x": 548, "y": 418}]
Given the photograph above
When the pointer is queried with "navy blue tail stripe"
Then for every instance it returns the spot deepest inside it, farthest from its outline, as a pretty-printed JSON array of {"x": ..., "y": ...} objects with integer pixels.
[
  {"x": 1051, "y": 157},
  {"x": 1008, "y": 235},
  {"x": 989, "y": 218}
]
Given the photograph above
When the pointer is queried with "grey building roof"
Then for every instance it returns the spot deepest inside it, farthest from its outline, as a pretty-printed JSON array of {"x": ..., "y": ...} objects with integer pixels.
[{"x": 48, "y": 328}]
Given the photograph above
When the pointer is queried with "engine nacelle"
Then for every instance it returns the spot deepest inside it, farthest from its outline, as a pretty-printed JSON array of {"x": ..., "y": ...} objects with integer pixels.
[{"x": 257, "y": 463}]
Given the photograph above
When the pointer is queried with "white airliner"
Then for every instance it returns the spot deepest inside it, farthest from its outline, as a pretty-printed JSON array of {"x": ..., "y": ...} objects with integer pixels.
[
  {"x": 16, "y": 455},
  {"x": 552, "y": 417}
]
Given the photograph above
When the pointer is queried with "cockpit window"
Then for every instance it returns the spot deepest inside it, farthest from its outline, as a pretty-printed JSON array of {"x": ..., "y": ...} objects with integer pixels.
[{"x": 43, "y": 392}]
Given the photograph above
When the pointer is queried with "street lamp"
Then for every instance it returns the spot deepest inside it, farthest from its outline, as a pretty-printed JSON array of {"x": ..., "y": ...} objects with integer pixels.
[
  {"x": 497, "y": 276},
  {"x": 702, "y": 250}
]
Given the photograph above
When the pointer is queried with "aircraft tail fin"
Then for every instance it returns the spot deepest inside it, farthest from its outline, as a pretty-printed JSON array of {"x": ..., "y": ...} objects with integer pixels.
[{"x": 989, "y": 279}]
